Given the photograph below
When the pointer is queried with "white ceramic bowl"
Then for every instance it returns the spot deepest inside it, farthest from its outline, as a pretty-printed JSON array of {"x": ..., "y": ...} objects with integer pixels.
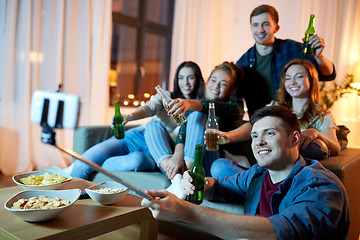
[
  {"x": 106, "y": 198},
  {"x": 38, "y": 215},
  {"x": 51, "y": 170}
]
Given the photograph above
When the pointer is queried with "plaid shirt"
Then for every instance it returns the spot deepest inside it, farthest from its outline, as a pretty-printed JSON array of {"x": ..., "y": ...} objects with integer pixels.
[{"x": 283, "y": 52}]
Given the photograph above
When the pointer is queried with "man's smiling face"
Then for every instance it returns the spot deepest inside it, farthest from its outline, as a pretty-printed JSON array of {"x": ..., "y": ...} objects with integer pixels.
[
  {"x": 271, "y": 143},
  {"x": 263, "y": 29}
]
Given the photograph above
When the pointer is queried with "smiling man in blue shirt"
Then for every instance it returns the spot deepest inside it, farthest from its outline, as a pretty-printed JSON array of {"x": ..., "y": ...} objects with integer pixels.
[
  {"x": 286, "y": 197},
  {"x": 269, "y": 55}
]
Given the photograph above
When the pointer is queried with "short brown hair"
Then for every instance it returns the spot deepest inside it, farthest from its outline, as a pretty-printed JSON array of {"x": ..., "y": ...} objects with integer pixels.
[
  {"x": 265, "y": 9},
  {"x": 289, "y": 119}
]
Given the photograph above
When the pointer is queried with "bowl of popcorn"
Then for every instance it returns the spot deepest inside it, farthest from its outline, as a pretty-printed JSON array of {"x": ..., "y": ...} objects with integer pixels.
[
  {"x": 107, "y": 192},
  {"x": 44, "y": 179},
  {"x": 41, "y": 205}
]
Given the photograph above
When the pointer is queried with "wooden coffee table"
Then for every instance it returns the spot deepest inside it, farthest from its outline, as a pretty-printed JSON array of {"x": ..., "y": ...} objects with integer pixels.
[{"x": 83, "y": 220}]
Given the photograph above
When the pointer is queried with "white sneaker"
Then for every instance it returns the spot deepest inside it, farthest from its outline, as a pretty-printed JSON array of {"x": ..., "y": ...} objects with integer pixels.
[{"x": 175, "y": 187}]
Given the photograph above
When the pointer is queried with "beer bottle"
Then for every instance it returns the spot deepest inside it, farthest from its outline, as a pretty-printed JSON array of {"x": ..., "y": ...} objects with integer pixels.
[
  {"x": 307, "y": 49},
  {"x": 119, "y": 128},
  {"x": 211, "y": 127},
  {"x": 197, "y": 173},
  {"x": 166, "y": 100}
]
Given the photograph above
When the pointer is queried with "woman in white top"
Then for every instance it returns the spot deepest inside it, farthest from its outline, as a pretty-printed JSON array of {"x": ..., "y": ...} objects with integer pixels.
[
  {"x": 299, "y": 91},
  {"x": 131, "y": 153}
]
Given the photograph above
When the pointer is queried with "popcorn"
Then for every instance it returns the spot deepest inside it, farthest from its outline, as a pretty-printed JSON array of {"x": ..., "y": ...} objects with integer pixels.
[{"x": 108, "y": 190}]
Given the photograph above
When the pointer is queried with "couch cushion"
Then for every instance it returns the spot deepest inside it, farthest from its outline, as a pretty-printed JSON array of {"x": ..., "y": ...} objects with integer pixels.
[{"x": 337, "y": 164}]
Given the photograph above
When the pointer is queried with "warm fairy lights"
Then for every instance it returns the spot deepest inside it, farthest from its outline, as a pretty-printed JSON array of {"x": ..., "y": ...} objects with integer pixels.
[{"x": 133, "y": 100}]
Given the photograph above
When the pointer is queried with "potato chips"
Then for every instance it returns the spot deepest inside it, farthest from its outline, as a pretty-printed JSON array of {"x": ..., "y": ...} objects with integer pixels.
[
  {"x": 45, "y": 179},
  {"x": 42, "y": 202}
]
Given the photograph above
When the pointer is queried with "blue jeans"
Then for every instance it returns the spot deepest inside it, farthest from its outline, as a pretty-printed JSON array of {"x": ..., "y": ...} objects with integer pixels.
[
  {"x": 224, "y": 167},
  {"x": 314, "y": 151},
  {"x": 160, "y": 143},
  {"x": 195, "y": 129},
  {"x": 127, "y": 154}
]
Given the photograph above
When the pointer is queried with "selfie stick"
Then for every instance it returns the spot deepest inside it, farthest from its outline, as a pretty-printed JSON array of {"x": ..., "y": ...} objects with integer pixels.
[{"x": 48, "y": 136}]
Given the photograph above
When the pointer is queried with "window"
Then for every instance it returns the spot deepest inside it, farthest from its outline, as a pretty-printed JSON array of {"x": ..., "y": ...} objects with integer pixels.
[{"x": 140, "y": 49}]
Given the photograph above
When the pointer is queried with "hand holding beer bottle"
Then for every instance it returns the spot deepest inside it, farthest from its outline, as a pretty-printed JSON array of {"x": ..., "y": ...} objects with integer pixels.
[
  {"x": 166, "y": 100},
  {"x": 119, "y": 128},
  {"x": 307, "y": 49},
  {"x": 197, "y": 173},
  {"x": 212, "y": 127}
]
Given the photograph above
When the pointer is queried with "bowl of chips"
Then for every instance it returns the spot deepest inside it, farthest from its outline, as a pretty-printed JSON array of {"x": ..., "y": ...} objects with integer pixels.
[
  {"x": 44, "y": 179},
  {"x": 107, "y": 192},
  {"x": 41, "y": 205}
]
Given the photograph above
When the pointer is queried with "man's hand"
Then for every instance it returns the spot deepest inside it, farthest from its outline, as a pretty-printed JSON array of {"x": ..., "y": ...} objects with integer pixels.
[
  {"x": 307, "y": 137},
  {"x": 188, "y": 188},
  {"x": 165, "y": 206},
  {"x": 317, "y": 43},
  {"x": 186, "y": 184}
]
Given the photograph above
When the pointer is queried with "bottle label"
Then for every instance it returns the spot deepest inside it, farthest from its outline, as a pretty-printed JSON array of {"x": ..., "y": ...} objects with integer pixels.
[{"x": 307, "y": 49}]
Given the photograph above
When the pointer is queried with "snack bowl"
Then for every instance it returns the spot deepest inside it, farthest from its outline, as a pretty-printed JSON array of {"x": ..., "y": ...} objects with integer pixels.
[
  {"x": 50, "y": 170},
  {"x": 38, "y": 215},
  {"x": 107, "y": 198}
]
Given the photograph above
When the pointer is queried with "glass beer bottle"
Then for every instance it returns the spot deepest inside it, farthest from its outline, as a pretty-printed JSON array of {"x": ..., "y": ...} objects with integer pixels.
[
  {"x": 211, "y": 130},
  {"x": 307, "y": 49},
  {"x": 197, "y": 173},
  {"x": 119, "y": 128},
  {"x": 166, "y": 100}
]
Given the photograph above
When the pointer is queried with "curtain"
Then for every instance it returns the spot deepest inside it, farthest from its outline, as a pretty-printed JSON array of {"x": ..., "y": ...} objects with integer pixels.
[
  {"x": 44, "y": 44},
  {"x": 209, "y": 32}
]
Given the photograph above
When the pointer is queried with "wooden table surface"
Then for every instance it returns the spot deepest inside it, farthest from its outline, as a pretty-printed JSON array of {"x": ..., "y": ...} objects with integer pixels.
[{"x": 82, "y": 220}]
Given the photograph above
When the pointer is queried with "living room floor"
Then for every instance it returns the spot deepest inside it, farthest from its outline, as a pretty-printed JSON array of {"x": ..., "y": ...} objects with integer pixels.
[{"x": 130, "y": 232}]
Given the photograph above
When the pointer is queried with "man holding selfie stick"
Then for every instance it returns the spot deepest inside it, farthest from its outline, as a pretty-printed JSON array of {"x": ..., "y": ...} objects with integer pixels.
[{"x": 286, "y": 197}]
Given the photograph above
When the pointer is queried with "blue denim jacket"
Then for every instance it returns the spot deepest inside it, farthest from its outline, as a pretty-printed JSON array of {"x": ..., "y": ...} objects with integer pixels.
[{"x": 311, "y": 202}]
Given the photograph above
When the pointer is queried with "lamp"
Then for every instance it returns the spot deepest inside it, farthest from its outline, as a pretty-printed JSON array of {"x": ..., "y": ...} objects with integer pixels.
[{"x": 356, "y": 74}]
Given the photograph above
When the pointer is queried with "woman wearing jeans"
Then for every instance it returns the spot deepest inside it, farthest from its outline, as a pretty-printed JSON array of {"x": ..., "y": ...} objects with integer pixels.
[
  {"x": 219, "y": 89},
  {"x": 130, "y": 153}
]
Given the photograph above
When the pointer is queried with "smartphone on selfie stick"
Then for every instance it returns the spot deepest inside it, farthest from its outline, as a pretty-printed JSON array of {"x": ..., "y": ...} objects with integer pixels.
[{"x": 55, "y": 109}]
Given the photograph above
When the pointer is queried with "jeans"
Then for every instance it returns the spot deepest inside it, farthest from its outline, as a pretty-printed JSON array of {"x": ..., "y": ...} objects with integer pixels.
[
  {"x": 195, "y": 128},
  {"x": 224, "y": 167},
  {"x": 160, "y": 143},
  {"x": 314, "y": 151},
  {"x": 127, "y": 154}
]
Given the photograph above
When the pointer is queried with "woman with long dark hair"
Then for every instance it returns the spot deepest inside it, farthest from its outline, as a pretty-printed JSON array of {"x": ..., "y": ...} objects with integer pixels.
[{"x": 131, "y": 153}]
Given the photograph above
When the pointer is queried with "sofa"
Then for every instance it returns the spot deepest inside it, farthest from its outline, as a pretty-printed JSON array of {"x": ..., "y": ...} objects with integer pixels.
[{"x": 346, "y": 166}]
